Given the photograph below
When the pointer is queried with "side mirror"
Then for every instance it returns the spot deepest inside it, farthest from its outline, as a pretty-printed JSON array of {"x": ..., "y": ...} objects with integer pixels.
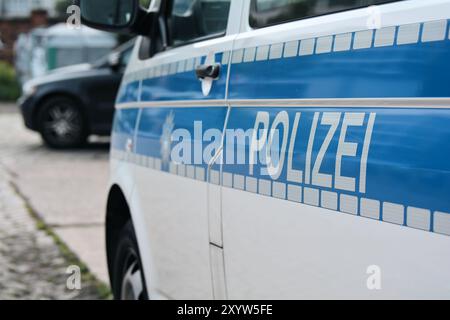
[{"x": 121, "y": 16}]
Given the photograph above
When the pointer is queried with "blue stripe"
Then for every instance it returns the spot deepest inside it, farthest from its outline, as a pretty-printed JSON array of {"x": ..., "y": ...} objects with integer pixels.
[
  {"x": 123, "y": 127},
  {"x": 419, "y": 70},
  {"x": 151, "y": 128},
  {"x": 408, "y": 163},
  {"x": 128, "y": 92},
  {"x": 409, "y": 156},
  {"x": 177, "y": 86}
]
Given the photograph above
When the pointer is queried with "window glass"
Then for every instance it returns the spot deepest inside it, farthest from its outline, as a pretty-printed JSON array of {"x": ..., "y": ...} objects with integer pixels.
[
  {"x": 190, "y": 20},
  {"x": 108, "y": 12},
  {"x": 269, "y": 12}
]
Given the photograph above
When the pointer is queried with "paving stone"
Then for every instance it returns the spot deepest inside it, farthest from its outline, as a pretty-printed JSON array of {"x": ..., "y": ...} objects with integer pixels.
[{"x": 31, "y": 264}]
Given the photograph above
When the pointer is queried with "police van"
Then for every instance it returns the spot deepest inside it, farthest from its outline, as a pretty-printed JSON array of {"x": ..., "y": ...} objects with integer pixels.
[{"x": 280, "y": 149}]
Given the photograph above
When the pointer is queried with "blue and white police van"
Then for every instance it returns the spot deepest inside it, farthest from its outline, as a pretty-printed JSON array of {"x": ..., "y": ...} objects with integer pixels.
[{"x": 280, "y": 149}]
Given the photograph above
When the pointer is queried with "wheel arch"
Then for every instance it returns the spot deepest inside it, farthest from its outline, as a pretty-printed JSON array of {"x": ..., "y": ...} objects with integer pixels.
[{"x": 117, "y": 215}]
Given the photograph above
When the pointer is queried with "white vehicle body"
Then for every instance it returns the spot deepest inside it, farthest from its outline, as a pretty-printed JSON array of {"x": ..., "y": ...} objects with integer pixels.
[{"x": 326, "y": 226}]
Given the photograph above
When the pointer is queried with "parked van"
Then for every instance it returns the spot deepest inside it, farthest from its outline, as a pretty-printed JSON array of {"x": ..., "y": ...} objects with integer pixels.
[{"x": 268, "y": 149}]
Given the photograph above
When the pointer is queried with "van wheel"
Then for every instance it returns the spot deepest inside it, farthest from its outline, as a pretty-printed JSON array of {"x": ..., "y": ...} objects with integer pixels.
[
  {"x": 61, "y": 123},
  {"x": 128, "y": 277}
]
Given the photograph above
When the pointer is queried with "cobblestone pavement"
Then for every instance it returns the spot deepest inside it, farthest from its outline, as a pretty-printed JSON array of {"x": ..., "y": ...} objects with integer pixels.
[
  {"x": 32, "y": 266},
  {"x": 67, "y": 190}
]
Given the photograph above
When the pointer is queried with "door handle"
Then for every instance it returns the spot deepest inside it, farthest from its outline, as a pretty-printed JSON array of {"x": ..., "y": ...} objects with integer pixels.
[{"x": 208, "y": 71}]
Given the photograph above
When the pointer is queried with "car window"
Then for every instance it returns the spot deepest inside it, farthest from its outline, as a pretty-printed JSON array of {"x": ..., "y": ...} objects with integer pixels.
[
  {"x": 191, "y": 20},
  {"x": 269, "y": 12}
]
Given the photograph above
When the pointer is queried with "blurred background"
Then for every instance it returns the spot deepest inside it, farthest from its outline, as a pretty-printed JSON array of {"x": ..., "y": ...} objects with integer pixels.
[
  {"x": 53, "y": 193},
  {"x": 34, "y": 40}
]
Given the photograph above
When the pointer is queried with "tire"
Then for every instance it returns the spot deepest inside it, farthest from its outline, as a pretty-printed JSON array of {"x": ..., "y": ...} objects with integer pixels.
[
  {"x": 128, "y": 280},
  {"x": 61, "y": 123}
]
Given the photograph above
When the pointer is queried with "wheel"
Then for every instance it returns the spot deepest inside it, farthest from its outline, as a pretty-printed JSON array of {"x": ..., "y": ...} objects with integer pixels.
[
  {"x": 128, "y": 277},
  {"x": 61, "y": 123}
]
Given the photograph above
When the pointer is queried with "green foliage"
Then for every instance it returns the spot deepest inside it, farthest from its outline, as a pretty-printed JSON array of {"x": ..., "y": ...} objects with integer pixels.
[
  {"x": 103, "y": 289},
  {"x": 9, "y": 87}
]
